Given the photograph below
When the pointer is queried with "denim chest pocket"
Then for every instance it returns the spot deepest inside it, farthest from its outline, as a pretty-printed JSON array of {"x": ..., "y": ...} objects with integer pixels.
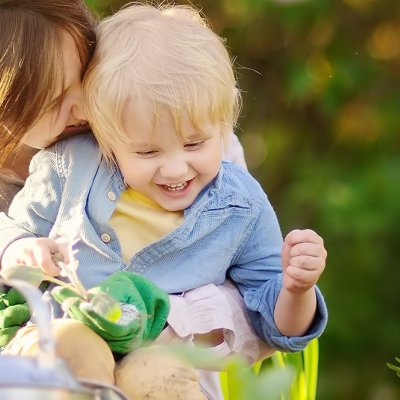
[
  {"x": 226, "y": 225},
  {"x": 228, "y": 208},
  {"x": 227, "y": 214}
]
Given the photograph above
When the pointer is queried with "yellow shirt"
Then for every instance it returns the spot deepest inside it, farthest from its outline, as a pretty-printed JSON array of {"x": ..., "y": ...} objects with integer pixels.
[{"x": 138, "y": 221}]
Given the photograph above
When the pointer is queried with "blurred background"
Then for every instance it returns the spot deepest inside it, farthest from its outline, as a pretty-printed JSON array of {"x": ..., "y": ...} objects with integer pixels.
[{"x": 320, "y": 127}]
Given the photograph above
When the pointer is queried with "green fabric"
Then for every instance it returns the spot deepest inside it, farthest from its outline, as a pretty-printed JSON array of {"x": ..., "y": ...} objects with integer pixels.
[
  {"x": 14, "y": 312},
  {"x": 151, "y": 302}
]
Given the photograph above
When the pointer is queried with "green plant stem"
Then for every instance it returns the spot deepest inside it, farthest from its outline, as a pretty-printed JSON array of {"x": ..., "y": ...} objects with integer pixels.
[{"x": 66, "y": 285}]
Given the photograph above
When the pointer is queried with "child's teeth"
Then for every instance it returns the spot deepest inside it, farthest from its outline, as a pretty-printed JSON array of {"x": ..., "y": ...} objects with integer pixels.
[{"x": 176, "y": 186}]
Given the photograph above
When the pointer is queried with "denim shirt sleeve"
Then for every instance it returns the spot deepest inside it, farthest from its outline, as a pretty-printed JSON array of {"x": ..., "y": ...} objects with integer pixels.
[
  {"x": 258, "y": 274},
  {"x": 35, "y": 207}
]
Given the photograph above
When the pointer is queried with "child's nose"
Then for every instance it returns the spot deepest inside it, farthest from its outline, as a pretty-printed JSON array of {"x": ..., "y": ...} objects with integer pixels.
[{"x": 174, "y": 169}]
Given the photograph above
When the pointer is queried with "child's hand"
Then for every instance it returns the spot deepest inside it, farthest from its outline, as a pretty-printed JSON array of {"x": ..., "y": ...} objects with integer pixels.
[
  {"x": 35, "y": 252},
  {"x": 303, "y": 260}
]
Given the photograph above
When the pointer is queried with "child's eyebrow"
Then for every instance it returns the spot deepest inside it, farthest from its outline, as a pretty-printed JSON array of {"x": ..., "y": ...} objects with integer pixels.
[
  {"x": 195, "y": 135},
  {"x": 141, "y": 145}
]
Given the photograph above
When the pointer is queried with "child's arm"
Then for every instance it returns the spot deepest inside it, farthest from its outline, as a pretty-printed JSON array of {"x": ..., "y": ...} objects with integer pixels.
[
  {"x": 257, "y": 270},
  {"x": 303, "y": 261},
  {"x": 24, "y": 231}
]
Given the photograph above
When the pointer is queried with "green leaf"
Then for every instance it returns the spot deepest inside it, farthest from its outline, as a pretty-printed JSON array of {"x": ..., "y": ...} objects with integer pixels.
[
  {"x": 270, "y": 384},
  {"x": 395, "y": 368},
  {"x": 32, "y": 275},
  {"x": 311, "y": 359}
]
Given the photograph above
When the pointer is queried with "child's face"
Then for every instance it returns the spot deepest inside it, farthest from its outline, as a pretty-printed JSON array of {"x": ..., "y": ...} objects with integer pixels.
[{"x": 168, "y": 167}]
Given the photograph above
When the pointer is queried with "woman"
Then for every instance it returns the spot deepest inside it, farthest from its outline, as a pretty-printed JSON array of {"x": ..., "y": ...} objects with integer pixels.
[{"x": 39, "y": 101}]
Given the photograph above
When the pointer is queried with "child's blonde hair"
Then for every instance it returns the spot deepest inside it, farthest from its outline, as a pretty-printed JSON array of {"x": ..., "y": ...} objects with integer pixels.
[{"x": 163, "y": 56}]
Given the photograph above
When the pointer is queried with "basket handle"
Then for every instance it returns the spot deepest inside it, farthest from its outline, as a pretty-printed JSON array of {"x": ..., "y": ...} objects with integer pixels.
[{"x": 40, "y": 311}]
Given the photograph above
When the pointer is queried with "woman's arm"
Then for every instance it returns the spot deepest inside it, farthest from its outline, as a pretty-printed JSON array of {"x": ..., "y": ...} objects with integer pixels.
[{"x": 233, "y": 151}]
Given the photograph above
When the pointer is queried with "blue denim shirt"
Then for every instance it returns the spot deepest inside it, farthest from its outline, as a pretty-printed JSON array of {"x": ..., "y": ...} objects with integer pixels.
[{"x": 231, "y": 230}]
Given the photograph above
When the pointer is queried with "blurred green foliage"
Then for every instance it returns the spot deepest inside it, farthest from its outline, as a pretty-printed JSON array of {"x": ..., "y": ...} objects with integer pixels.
[
  {"x": 395, "y": 368},
  {"x": 320, "y": 128}
]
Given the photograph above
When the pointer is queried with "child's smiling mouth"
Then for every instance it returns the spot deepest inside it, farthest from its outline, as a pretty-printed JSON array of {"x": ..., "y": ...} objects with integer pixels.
[
  {"x": 176, "y": 189},
  {"x": 176, "y": 186}
]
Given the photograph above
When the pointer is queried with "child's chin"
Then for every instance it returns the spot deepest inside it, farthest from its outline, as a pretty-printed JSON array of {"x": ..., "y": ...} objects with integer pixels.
[{"x": 174, "y": 205}]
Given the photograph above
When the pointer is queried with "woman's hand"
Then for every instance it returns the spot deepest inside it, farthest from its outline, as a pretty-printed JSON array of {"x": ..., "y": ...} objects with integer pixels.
[{"x": 35, "y": 252}]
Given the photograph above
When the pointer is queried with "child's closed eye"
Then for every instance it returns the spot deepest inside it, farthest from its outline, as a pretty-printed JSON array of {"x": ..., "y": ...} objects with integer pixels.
[
  {"x": 194, "y": 145},
  {"x": 147, "y": 153}
]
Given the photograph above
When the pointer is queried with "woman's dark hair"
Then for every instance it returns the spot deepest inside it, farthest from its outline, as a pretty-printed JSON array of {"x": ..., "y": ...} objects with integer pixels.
[{"x": 31, "y": 37}]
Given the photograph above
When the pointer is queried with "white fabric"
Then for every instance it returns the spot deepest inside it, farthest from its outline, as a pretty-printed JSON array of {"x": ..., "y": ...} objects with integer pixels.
[
  {"x": 212, "y": 307},
  {"x": 233, "y": 151}
]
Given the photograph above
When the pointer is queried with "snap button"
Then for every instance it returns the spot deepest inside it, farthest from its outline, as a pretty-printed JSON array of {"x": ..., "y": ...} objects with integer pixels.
[
  {"x": 111, "y": 196},
  {"x": 105, "y": 237}
]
